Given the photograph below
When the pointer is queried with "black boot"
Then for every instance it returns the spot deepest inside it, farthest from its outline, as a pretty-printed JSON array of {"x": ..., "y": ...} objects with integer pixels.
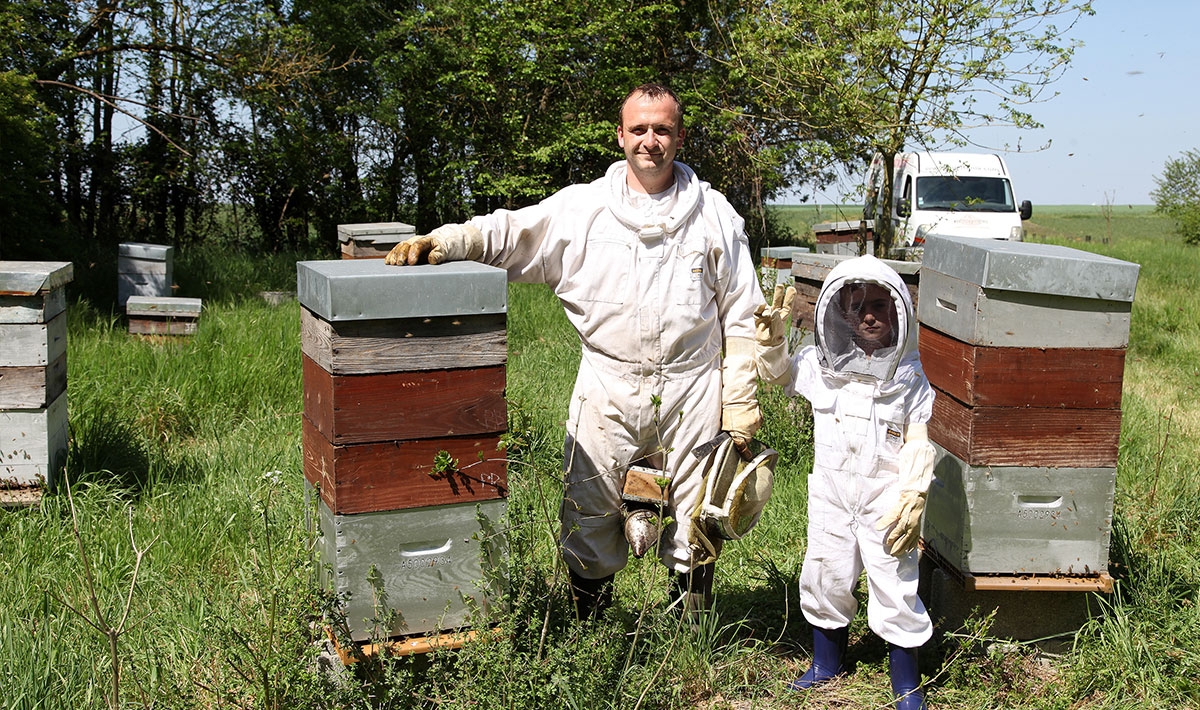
[
  {"x": 829, "y": 652},
  {"x": 906, "y": 678},
  {"x": 591, "y": 596},
  {"x": 692, "y": 591}
]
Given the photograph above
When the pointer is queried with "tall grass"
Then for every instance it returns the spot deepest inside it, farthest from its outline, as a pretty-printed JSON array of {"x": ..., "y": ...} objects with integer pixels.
[{"x": 187, "y": 451}]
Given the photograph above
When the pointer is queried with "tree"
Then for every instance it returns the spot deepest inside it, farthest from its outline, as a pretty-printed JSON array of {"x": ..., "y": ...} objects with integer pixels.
[
  {"x": 1177, "y": 194},
  {"x": 864, "y": 76}
]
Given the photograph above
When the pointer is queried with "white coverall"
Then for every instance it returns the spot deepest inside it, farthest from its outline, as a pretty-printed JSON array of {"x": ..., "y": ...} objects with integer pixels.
[
  {"x": 654, "y": 285},
  {"x": 862, "y": 406}
]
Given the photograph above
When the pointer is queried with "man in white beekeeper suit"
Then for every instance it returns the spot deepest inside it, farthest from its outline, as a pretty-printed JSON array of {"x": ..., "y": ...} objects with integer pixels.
[
  {"x": 872, "y": 463},
  {"x": 655, "y": 273}
]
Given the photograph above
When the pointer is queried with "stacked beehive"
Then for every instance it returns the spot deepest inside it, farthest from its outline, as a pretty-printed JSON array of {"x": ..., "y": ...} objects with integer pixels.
[
  {"x": 33, "y": 375},
  {"x": 143, "y": 270},
  {"x": 372, "y": 240},
  {"x": 1025, "y": 346},
  {"x": 404, "y": 373}
]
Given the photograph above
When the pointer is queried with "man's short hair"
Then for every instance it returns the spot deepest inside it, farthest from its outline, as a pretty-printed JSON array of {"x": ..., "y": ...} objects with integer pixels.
[{"x": 650, "y": 91}]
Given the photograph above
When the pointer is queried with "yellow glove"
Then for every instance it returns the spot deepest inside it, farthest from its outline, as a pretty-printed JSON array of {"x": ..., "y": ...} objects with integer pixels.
[
  {"x": 740, "y": 415},
  {"x": 770, "y": 324},
  {"x": 449, "y": 242},
  {"x": 770, "y": 329},
  {"x": 917, "y": 458}
]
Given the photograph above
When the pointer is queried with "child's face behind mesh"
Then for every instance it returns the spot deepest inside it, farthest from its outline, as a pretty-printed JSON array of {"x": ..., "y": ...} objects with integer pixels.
[{"x": 871, "y": 313}]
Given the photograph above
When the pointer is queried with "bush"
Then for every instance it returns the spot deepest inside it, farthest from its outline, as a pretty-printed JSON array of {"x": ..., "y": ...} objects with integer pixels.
[{"x": 1178, "y": 195}]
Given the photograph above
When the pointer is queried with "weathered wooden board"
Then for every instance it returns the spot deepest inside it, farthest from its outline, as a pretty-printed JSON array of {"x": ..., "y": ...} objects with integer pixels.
[
  {"x": 360, "y": 250},
  {"x": 1078, "y": 378},
  {"x": 404, "y": 646},
  {"x": 350, "y": 409},
  {"x": 404, "y": 344},
  {"x": 1019, "y": 519},
  {"x": 33, "y": 344},
  {"x": 33, "y": 444},
  {"x": 428, "y": 561},
  {"x": 392, "y": 475},
  {"x": 162, "y": 325},
  {"x": 38, "y": 308},
  {"x": 33, "y": 387},
  {"x": 1026, "y": 436}
]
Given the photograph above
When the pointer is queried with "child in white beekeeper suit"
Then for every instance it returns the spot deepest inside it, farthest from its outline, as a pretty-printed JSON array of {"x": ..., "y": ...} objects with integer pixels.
[{"x": 872, "y": 463}]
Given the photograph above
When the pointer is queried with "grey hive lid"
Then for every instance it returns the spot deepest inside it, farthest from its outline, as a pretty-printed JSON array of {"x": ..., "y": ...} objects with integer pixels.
[
  {"x": 369, "y": 289},
  {"x": 775, "y": 253},
  {"x": 372, "y": 232},
  {"x": 27, "y": 278},
  {"x": 166, "y": 305},
  {"x": 1031, "y": 268},
  {"x": 139, "y": 250}
]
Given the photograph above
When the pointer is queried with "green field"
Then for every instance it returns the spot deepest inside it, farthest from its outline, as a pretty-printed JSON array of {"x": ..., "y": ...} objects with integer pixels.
[{"x": 179, "y": 573}]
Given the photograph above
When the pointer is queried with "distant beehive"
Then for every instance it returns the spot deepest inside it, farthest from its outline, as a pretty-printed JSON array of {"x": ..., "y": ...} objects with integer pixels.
[
  {"x": 33, "y": 373},
  {"x": 143, "y": 270},
  {"x": 404, "y": 375},
  {"x": 163, "y": 315},
  {"x": 372, "y": 240},
  {"x": 775, "y": 265},
  {"x": 1025, "y": 347},
  {"x": 842, "y": 238}
]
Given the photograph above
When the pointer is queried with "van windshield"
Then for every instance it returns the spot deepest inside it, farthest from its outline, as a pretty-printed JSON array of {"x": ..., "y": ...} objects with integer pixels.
[{"x": 964, "y": 194}]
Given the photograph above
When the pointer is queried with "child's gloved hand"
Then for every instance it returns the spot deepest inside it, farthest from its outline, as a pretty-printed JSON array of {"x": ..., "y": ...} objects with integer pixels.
[
  {"x": 917, "y": 458},
  {"x": 770, "y": 324},
  {"x": 906, "y": 516}
]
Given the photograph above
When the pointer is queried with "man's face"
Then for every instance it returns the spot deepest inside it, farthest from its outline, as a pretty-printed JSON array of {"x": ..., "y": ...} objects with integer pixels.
[
  {"x": 871, "y": 312},
  {"x": 650, "y": 134}
]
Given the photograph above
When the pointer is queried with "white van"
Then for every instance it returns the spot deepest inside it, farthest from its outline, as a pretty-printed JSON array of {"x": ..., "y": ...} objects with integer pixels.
[{"x": 952, "y": 194}]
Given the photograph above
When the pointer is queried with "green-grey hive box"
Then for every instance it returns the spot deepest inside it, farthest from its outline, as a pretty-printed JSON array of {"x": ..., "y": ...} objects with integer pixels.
[
  {"x": 434, "y": 564},
  {"x": 144, "y": 270},
  {"x": 33, "y": 372},
  {"x": 1017, "y": 294},
  {"x": 1019, "y": 519}
]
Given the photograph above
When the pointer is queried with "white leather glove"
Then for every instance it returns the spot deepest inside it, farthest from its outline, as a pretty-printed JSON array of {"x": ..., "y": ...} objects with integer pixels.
[
  {"x": 449, "y": 242},
  {"x": 770, "y": 331},
  {"x": 740, "y": 415},
  {"x": 917, "y": 458}
]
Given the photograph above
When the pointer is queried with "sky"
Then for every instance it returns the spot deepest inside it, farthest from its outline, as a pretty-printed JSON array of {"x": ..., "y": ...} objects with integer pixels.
[{"x": 1129, "y": 102}]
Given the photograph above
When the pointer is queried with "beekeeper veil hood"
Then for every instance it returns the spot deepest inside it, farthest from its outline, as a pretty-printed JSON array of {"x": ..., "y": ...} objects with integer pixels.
[
  {"x": 735, "y": 492},
  {"x": 864, "y": 320}
]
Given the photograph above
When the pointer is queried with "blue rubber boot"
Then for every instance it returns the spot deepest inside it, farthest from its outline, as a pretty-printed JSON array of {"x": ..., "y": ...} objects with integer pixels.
[
  {"x": 906, "y": 678},
  {"x": 829, "y": 648}
]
